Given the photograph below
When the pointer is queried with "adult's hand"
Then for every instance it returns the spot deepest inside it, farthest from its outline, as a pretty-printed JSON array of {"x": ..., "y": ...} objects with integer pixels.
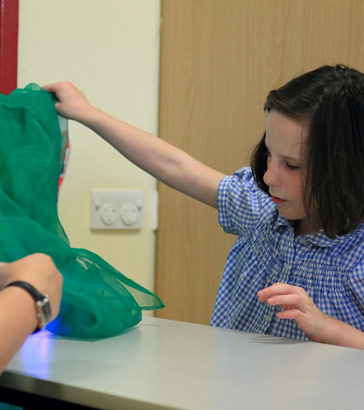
[{"x": 39, "y": 270}]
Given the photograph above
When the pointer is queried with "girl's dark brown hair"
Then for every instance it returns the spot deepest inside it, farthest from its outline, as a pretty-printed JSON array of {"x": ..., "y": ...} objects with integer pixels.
[{"x": 332, "y": 99}]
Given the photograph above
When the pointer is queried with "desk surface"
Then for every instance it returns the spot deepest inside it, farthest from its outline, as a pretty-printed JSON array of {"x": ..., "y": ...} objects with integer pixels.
[{"x": 167, "y": 364}]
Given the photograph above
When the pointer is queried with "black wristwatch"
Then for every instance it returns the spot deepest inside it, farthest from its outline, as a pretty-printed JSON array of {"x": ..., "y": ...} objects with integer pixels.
[{"x": 42, "y": 305}]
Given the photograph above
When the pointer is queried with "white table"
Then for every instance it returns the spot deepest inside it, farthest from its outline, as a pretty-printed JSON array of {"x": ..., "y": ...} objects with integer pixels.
[{"x": 167, "y": 364}]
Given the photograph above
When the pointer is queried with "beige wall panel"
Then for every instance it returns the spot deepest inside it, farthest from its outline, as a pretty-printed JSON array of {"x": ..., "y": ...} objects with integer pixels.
[
  {"x": 219, "y": 59},
  {"x": 110, "y": 50}
]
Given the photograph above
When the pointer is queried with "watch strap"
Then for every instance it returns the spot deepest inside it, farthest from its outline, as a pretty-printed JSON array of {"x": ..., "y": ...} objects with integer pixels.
[{"x": 42, "y": 305}]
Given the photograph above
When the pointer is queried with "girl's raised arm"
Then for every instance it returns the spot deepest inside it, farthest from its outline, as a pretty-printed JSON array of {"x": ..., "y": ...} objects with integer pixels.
[{"x": 167, "y": 163}]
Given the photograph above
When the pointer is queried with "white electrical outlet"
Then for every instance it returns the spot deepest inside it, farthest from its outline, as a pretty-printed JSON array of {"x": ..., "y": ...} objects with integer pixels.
[
  {"x": 116, "y": 209},
  {"x": 108, "y": 213},
  {"x": 129, "y": 213}
]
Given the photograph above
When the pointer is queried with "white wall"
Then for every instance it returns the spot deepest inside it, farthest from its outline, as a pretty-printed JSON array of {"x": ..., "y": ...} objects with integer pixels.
[{"x": 110, "y": 50}]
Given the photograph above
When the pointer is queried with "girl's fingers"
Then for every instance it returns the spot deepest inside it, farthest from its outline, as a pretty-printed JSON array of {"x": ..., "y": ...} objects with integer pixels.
[
  {"x": 279, "y": 289},
  {"x": 294, "y": 314},
  {"x": 290, "y": 301}
]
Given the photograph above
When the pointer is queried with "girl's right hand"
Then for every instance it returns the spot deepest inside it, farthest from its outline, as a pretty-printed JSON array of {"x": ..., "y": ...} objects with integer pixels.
[{"x": 71, "y": 103}]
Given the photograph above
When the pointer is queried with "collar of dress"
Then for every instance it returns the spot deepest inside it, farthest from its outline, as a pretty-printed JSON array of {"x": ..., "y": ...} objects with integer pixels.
[{"x": 319, "y": 238}]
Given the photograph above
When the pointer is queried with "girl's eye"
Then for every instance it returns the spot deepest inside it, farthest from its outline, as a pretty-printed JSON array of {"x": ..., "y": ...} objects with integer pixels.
[{"x": 291, "y": 167}]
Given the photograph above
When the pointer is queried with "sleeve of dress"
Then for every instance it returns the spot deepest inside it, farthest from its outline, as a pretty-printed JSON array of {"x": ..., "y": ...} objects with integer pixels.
[
  {"x": 356, "y": 286},
  {"x": 240, "y": 201}
]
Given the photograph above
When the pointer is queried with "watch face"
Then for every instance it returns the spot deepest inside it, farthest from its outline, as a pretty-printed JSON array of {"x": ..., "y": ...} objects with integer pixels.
[{"x": 43, "y": 311}]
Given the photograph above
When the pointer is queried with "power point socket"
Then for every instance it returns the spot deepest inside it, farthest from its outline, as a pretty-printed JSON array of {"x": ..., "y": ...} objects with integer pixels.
[
  {"x": 129, "y": 213},
  {"x": 116, "y": 209},
  {"x": 108, "y": 213}
]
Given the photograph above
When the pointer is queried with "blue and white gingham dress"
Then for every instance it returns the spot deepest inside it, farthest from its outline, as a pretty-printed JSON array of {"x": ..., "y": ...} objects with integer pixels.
[{"x": 266, "y": 251}]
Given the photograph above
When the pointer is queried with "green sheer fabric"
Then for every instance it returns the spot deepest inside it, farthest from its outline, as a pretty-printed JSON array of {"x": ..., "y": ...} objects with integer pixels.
[{"x": 98, "y": 301}]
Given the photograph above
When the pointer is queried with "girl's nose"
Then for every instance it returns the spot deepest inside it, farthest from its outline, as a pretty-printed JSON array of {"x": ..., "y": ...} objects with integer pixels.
[{"x": 271, "y": 176}]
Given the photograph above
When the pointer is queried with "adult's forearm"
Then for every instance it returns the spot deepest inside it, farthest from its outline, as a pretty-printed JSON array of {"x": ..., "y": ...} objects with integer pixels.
[{"x": 17, "y": 320}]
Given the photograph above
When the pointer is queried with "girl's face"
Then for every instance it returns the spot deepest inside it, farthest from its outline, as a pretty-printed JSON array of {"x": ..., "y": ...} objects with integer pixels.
[{"x": 286, "y": 141}]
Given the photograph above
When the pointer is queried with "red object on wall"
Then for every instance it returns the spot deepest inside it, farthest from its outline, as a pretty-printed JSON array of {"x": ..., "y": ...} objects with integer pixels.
[{"x": 9, "y": 11}]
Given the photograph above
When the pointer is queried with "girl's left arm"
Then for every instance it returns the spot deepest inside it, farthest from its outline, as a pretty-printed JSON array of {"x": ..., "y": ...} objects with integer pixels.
[{"x": 318, "y": 326}]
